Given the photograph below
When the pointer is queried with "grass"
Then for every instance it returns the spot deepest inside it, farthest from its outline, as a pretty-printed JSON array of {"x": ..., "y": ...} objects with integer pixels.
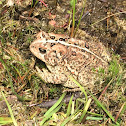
[
  {"x": 5, "y": 120},
  {"x": 10, "y": 81},
  {"x": 52, "y": 110},
  {"x": 79, "y": 114},
  {"x": 11, "y": 113},
  {"x": 74, "y": 111},
  {"x": 73, "y": 4}
]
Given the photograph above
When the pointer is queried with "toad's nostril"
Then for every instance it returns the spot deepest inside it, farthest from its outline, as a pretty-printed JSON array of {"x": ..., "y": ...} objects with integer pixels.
[
  {"x": 52, "y": 37},
  {"x": 43, "y": 51},
  {"x": 32, "y": 47},
  {"x": 87, "y": 46}
]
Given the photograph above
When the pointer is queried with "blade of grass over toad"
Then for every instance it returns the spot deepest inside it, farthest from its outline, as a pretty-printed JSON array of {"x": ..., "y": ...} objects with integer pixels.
[
  {"x": 50, "y": 114},
  {"x": 11, "y": 83},
  {"x": 82, "y": 88},
  {"x": 10, "y": 110},
  {"x": 100, "y": 104},
  {"x": 55, "y": 105},
  {"x": 69, "y": 106},
  {"x": 86, "y": 106},
  {"x": 80, "y": 18}
]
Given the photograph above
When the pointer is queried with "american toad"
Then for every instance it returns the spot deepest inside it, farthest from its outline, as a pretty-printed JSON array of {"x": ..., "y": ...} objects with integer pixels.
[{"x": 66, "y": 56}]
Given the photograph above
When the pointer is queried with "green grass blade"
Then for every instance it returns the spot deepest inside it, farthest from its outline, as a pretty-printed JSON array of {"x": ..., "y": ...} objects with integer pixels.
[
  {"x": 85, "y": 110},
  {"x": 70, "y": 117},
  {"x": 10, "y": 110},
  {"x": 5, "y": 120},
  {"x": 23, "y": 65},
  {"x": 17, "y": 71},
  {"x": 66, "y": 121},
  {"x": 21, "y": 98},
  {"x": 69, "y": 106},
  {"x": 80, "y": 17},
  {"x": 55, "y": 105},
  {"x": 49, "y": 115},
  {"x": 95, "y": 118},
  {"x": 82, "y": 88},
  {"x": 95, "y": 114},
  {"x": 100, "y": 104},
  {"x": 73, "y": 3}
]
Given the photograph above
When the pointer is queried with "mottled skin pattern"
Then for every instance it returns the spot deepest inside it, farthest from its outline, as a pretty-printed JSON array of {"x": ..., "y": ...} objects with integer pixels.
[{"x": 66, "y": 56}]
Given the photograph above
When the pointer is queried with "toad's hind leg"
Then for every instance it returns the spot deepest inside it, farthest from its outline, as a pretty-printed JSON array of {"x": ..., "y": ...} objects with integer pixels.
[
  {"x": 54, "y": 78},
  {"x": 69, "y": 83}
]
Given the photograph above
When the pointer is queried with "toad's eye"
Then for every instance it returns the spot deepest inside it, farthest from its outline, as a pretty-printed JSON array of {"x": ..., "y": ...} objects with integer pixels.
[
  {"x": 61, "y": 39},
  {"x": 43, "y": 51},
  {"x": 52, "y": 37}
]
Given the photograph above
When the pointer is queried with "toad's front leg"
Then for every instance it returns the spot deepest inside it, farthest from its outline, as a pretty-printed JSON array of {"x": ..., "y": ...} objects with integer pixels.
[{"x": 49, "y": 77}]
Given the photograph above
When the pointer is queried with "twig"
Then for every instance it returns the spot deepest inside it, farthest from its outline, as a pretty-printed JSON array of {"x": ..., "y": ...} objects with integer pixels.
[
  {"x": 46, "y": 104},
  {"x": 108, "y": 17}
]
